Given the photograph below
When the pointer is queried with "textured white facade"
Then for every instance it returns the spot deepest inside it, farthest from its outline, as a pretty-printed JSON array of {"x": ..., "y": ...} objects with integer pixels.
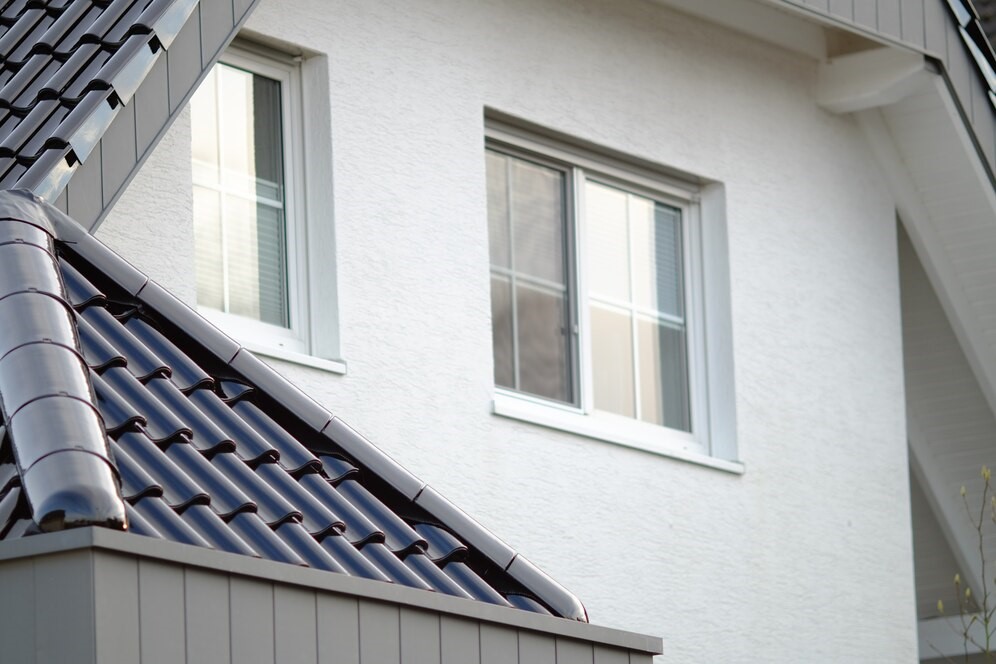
[{"x": 804, "y": 557}]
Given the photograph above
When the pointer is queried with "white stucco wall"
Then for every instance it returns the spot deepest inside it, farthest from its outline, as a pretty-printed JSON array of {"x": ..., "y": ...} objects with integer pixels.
[{"x": 805, "y": 557}]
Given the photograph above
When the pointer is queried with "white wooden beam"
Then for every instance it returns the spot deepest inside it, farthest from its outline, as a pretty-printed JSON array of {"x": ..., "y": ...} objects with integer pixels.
[
  {"x": 946, "y": 506},
  {"x": 924, "y": 234},
  {"x": 869, "y": 79}
]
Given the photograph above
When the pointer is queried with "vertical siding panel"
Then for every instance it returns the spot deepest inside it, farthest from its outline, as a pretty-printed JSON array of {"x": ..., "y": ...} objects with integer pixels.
[
  {"x": 866, "y": 13},
  {"x": 912, "y": 17},
  {"x": 84, "y": 197},
  {"x": 574, "y": 652},
  {"x": 460, "y": 641},
  {"x": 295, "y": 625},
  {"x": 499, "y": 645},
  {"x": 380, "y": 633},
  {"x": 151, "y": 105},
  {"x": 640, "y": 659},
  {"x": 935, "y": 26},
  {"x": 207, "y": 622},
  {"x": 183, "y": 60},
  {"x": 241, "y": 7},
  {"x": 118, "y": 152},
  {"x": 536, "y": 649},
  {"x": 822, "y": 5},
  {"x": 17, "y": 610},
  {"x": 889, "y": 20},
  {"x": 216, "y": 26},
  {"x": 842, "y": 9},
  {"x": 115, "y": 586},
  {"x": 605, "y": 655},
  {"x": 64, "y": 617},
  {"x": 338, "y": 630},
  {"x": 161, "y": 606},
  {"x": 251, "y": 608},
  {"x": 419, "y": 637}
]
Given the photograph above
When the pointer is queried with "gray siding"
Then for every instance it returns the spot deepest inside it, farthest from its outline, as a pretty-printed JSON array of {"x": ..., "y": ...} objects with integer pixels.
[{"x": 114, "y": 607}]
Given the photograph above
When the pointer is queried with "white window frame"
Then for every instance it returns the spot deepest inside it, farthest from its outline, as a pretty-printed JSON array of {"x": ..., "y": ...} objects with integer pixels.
[
  {"x": 305, "y": 340},
  {"x": 582, "y": 164}
]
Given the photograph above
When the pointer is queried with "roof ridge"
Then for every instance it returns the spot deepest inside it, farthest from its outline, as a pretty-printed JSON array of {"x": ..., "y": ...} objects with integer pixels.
[{"x": 48, "y": 404}]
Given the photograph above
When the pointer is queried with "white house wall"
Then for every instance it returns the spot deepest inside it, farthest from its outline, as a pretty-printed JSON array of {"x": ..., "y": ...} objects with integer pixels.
[{"x": 804, "y": 557}]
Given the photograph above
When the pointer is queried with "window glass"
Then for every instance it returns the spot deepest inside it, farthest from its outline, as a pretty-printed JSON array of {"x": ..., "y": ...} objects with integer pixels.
[
  {"x": 636, "y": 299},
  {"x": 239, "y": 214},
  {"x": 636, "y": 357},
  {"x": 529, "y": 304}
]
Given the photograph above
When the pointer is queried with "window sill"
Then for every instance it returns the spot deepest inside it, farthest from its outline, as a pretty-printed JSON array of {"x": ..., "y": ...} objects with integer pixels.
[
  {"x": 611, "y": 429},
  {"x": 303, "y": 359}
]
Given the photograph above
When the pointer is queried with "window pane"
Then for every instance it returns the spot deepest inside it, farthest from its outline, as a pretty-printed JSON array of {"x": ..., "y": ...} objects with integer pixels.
[
  {"x": 204, "y": 129},
  {"x": 530, "y": 309},
  {"x": 268, "y": 143},
  {"x": 208, "y": 260},
  {"x": 538, "y": 220},
  {"x": 497, "y": 173},
  {"x": 607, "y": 240},
  {"x": 239, "y": 217},
  {"x": 542, "y": 341},
  {"x": 501, "y": 329},
  {"x": 612, "y": 360},
  {"x": 255, "y": 257},
  {"x": 657, "y": 265},
  {"x": 272, "y": 266},
  {"x": 663, "y": 375}
]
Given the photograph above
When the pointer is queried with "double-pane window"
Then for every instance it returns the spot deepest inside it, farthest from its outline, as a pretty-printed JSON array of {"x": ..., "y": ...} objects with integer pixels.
[
  {"x": 588, "y": 289},
  {"x": 249, "y": 270},
  {"x": 238, "y": 173}
]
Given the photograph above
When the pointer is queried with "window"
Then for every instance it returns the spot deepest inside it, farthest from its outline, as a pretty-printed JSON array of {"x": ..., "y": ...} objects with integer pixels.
[
  {"x": 251, "y": 235},
  {"x": 597, "y": 294}
]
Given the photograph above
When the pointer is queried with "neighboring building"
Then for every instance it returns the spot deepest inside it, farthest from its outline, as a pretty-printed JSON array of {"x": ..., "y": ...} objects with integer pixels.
[{"x": 690, "y": 300}]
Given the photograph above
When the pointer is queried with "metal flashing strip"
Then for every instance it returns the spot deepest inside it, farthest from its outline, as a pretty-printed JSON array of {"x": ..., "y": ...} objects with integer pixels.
[{"x": 226, "y": 563}]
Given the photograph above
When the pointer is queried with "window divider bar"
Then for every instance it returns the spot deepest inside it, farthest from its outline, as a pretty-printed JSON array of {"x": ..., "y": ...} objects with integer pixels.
[{"x": 512, "y": 276}]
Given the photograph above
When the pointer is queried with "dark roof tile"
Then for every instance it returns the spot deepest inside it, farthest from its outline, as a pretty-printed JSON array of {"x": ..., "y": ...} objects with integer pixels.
[
  {"x": 179, "y": 489},
  {"x": 214, "y": 530},
  {"x": 215, "y": 453},
  {"x": 227, "y": 499}
]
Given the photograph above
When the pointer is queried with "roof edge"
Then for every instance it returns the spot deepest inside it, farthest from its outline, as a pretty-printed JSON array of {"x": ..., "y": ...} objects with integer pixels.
[{"x": 321, "y": 581}]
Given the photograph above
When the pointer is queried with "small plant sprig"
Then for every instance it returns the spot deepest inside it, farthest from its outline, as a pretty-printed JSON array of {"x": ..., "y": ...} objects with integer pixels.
[{"x": 974, "y": 611}]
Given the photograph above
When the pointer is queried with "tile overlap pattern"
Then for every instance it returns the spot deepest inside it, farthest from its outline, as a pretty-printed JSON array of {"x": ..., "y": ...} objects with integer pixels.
[
  {"x": 202, "y": 462},
  {"x": 66, "y": 67}
]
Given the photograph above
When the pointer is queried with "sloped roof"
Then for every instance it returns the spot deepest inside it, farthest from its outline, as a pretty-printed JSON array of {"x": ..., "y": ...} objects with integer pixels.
[
  {"x": 212, "y": 447},
  {"x": 987, "y": 16},
  {"x": 66, "y": 69}
]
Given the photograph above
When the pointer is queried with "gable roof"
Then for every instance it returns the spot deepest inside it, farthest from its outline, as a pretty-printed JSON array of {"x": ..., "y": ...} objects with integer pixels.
[
  {"x": 104, "y": 375},
  {"x": 88, "y": 87}
]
